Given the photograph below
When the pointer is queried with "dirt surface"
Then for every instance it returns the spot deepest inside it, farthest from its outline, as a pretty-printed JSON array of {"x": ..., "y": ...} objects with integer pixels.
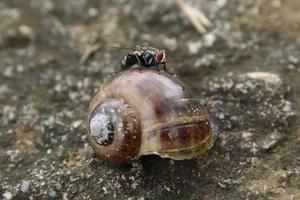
[{"x": 245, "y": 69}]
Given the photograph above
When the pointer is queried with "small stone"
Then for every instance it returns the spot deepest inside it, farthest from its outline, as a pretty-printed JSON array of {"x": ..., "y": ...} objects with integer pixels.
[
  {"x": 73, "y": 188},
  {"x": 293, "y": 59},
  {"x": 221, "y": 185},
  {"x": 105, "y": 190},
  {"x": 65, "y": 196},
  {"x": 269, "y": 144},
  {"x": 4, "y": 89},
  {"x": 194, "y": 47},
  {"x": 52, "y": 193},
  {"x": 221, "y": 115},
  {"x": 287, "y": 107},
  {"x": 221, "y": 3},
  {"x": 268, "y": 78},
  {"x": 270, "y": 140},
  {"x": 9, "y": 71},
  {"x": 25, "y": 186},
  {"x": 291, "y": 67},
  {"x": 206, "y": 60},
  {"x": 171, "y": 43},
  {"x": 60, "y": 87},
  {"x": 76, "y": 124},
  {"x": 20, "y": 68},
  {"x": 93, "y": 12},
  {"x": 246, "y": 135},
  {"x": 276, "y": 3},
  {"x": 134, "y": 185},
  {"x": 26, "y": 30},
  {"x": 7, "y": 196},
  {"x": 64, "y": 138},
  {"x": 209, "y": 39},
  {"x": 167, "y": 188},
  {"x": 9, "y": 113},
  {"x": 234, "y": 118}
]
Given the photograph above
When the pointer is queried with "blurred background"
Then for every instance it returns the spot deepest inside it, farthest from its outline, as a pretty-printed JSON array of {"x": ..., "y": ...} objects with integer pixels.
[{"x": 240, "y": 56}]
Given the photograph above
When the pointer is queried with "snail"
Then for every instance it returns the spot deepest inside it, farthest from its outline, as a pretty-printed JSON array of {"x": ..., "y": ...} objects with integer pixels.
[{"x": 140, "y": 113}]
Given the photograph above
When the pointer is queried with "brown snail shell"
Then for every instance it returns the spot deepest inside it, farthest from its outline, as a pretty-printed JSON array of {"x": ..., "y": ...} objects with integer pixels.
[{"x": 140, "y": 113}]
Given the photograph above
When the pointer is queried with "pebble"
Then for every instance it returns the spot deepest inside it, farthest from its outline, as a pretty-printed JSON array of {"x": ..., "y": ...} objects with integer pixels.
[
  {"x": 221, "y": 3},
  {"x": 268, "y": 78},
  {"x": 26, "y": 30},
  {"x": 93, "y": 12},
  {"x": 205, "y": 60},
  {"x": 267, "y": 145},
  {"x": 76, "y": 124},
  {"x": 221, "y": 115},
  {"x": 7, "y": 196},
  {"x": 221, "y": 185},
  {"x": 234, "y": 118},
  {"x": 4, "y": 89},
  {"x": 246, "y": 134},
  {"x": 9, "y": 71},
  {"x": 270, "y": 140},
  {"x": 52, "y": 193},
  {"x": 25, "y": 186},
  {"x": 170, "y": 43},
  {"x": 293, "y": 59},
  {"x": 209, "y": 39},
  {"x": 65, "y": 196},
  {"x": 194, "y": 47},
  {"x": 9, "y": 113},
  {"x": 291, "y": 67},
  {"x": 276, "y": 3},
  {"x": 287, "y": 107},
  {"x": 60, "y": 87}
]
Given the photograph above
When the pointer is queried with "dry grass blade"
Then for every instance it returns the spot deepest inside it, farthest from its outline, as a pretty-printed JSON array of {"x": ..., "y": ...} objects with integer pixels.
[{"x": 197, "y": 18}]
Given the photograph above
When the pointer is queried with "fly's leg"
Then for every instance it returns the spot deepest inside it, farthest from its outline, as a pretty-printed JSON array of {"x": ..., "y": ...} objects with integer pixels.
[
  {"x": 157, "y": 67},
  {"x": 139, "y": 61},
  {"x": 166, "y": 69}
]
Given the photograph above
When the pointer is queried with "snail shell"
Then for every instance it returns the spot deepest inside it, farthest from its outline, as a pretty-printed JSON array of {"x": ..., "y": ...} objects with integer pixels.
[{"x": 140, "y": 113}]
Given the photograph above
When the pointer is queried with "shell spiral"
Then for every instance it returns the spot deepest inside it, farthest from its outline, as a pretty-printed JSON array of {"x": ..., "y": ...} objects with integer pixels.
[{"x": 135, "y": 114}]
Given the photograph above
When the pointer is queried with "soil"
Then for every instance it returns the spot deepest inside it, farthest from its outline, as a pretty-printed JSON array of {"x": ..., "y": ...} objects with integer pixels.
[{"x": 245, "y": 69}]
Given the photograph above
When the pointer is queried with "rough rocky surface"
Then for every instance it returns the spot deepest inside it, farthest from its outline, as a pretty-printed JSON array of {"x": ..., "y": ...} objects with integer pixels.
[{"x": 245, "y": 68}]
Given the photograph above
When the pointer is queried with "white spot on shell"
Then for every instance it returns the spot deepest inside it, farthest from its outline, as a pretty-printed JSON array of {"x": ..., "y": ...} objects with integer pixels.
[
  {"x": 173, "y": 133},
  {"x": 99, "y": 127}
]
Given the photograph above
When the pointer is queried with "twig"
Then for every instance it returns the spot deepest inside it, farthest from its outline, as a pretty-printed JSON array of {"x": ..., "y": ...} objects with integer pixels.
[{"x": 197, "y": 18}]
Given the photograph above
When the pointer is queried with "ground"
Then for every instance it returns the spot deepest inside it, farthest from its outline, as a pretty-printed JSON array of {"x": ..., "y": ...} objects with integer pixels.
[{"x": 245, "y": 69}]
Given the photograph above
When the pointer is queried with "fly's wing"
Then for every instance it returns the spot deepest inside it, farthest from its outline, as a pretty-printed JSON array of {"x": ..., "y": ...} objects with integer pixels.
[{"x": 128, "y": 61}]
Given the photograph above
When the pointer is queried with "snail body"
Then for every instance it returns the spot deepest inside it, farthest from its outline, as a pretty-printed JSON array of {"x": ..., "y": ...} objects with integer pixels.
[{"x": 135, "y": 114}]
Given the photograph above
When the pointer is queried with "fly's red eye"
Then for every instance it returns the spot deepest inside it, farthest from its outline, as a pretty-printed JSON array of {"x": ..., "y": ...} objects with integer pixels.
[{"x": 160, "y": 55}]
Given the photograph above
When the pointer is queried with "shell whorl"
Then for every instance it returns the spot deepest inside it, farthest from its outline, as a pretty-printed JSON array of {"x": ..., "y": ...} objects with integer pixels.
[{"x": 114, "y": 131}]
